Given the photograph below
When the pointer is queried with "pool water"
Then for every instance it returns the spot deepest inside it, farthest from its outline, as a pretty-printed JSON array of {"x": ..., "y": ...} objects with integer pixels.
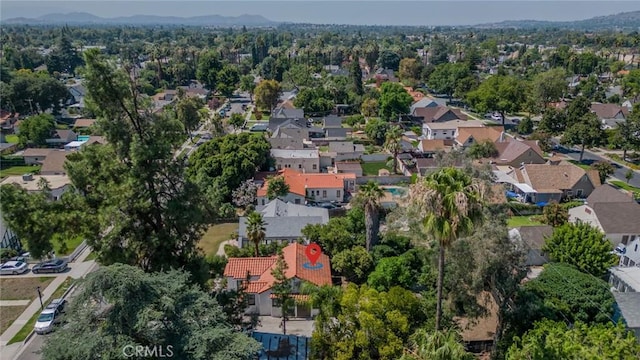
[
  {"x": 83, "y": 137},
  {"x": 396, "y": 191}
]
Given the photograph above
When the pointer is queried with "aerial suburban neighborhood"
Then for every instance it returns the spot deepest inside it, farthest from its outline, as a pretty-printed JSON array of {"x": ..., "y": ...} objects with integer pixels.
[{"x": 220, "y": 187}]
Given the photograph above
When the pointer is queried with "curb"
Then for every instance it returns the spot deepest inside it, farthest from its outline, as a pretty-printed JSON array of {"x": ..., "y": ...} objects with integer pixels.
[{"x": 66, "y": 293}]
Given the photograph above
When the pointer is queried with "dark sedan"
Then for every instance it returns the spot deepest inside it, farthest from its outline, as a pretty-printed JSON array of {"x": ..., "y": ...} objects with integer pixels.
[{"x": 51, "y": 266}]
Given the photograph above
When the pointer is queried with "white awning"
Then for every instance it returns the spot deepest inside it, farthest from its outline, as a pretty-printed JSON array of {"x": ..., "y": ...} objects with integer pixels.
[
  {"x": 502, "y": 177},
  {"x": 524, "y": 188}
]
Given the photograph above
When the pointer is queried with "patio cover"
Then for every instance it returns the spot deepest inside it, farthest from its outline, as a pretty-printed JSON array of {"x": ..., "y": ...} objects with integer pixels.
[{"x": 525, "y": 188}]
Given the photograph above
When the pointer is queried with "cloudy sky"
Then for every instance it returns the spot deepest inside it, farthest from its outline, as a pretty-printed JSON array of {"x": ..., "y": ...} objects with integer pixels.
[{"x": 387, "y": 12}]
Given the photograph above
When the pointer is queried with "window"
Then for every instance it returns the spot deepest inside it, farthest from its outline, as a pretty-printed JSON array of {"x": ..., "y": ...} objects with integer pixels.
[
  {"x": 636, "y": 248},
  {"x": 579, "y": 192},
  {"x": 262, "y": 201},
  {"x": 279, "y": 166},
  {"x": 296, "y": 201},
  {"x": 338, "y": 193},
  {"x": 275, "y": 302},
  {"x": 324, "y": 193},
  {"x": 239, "y": 284},
  {"x": 315, "y": 167},
  {"x": 299, "y": 166},
  {"x": 625, "y": 239},
  {"x": 251, "y": 299}
]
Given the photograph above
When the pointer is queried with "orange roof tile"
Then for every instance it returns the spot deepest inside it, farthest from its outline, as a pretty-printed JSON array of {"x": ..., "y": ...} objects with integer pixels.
[
  {"x": 299, "y": 182},
  {"x": 298, "y": 267},
  {"x": 238, "y": 267}
]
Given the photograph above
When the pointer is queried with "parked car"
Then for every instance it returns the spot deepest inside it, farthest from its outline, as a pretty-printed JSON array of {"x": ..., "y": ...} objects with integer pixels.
[
  {"x": 51, "y": 266},
  {"x": 13, "y": 268},
  {"x": 50, "y": 316},
  {"x": 496, "y": 116}
]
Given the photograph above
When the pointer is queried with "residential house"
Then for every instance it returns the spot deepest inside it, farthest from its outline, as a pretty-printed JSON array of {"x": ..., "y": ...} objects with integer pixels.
[
  {"x": 332, "y": 127},
  {"x": 163, "y": 99},
  {"x": 382, "y": 75},
  {"x": 8, "y": 121},
  {"x": 53, "y": 164},
  {"x": 260, "y": 282},
  {"x": 8, "y": 238},
  {"x": 516, "y": 153},
  {"x": 543, "y": 183},
  {"x": 466, "y": 136},
  {"x": 533, "y": 238},
  {"x": 425, "y": 102},
  {"x": 78, "y": 93},
  {"x": 617, "y": 220},
  {"x": 446, "y": 130},
  {"x": 431, "y": 147},
  {"x": 57, "y": 184},
  {"x": 316, "y": 187},
  {"x": 83, "y": 124},
  {"x": 289, "y": 137},
  {"x": 305, "y": 160},
  {"x": 346, "y": 150},
  {"x": 437, "y": 113},
  {"x": 628, "y": 307},
  {"x": 610, "y": 114},
  {"x": 284, "y": 222},
  {"x": 479, "y": 334},
  {"x": 62, "y": 137},
  {"x": 35, "y": 156},
  {"x": 348, "y": 167},
  {"x": 287, "y": 113},
  {"x": 625, "y": 278}
]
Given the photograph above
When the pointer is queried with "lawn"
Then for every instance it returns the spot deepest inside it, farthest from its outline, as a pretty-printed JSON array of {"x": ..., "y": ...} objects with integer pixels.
[
  {"x": 265, "y": 116},
  {"x": 371, "y": 168},
  {"x": 19, "y": 170},
  {"x": 12, "y": 139},
  {"x": 69, "y": 246},
  {"x": 215, "y": 235},
  {"x": 22, "y": 288},
  {"x": 578, "y": 163},
  {"x": 517, "y": 221},
  {"x": 28, "y": 327},
  {"x": 92, "y": 256},
  {"x": 8, "y": 314},
  {"x": 625, "y": 186}
]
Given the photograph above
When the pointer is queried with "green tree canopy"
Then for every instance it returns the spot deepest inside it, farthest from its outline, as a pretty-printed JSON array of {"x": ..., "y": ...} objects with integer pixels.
[
  {"x": 267, "y": 93},
  {"x": 35, "y": 130},
  {"x": 354, "y": 264},
  {"x": 277, "y": 187},
  {"x": 501, "y": 93},
  {"x": 228, "y": 79},
  {"x": 556, "y": 340},
  {"x": 208, "y": 67},
  {"x": 582, "y": 246},
  {"x": 548, "y": 87},
  {"x": 119, "y": 305},
  {"x": 445, "y": 77},
  {"x": 376, "y": 130},
  {"x": 484, "y": 149},
  {"x": 394, "y": 100}
]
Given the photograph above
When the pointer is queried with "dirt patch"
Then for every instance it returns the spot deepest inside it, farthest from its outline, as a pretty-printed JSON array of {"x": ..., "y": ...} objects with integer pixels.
[
  {"x": 8, "y": 314},
  {"x": 22, "y": 288}
]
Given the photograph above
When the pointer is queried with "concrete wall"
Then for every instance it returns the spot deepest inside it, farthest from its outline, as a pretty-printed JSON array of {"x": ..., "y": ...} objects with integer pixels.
[
  {"x": 331, "y": 194},
  {"x": 307, "y": 165},
  {"x": 34, "y": 160},
  {"x": 375, "y": 157},
  {"x": 384, "y": 180}
]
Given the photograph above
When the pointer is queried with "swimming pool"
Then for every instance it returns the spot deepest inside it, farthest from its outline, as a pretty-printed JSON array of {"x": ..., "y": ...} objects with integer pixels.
[
  {"x": 396, "y": 191},
  {"x": 83, "y": 137}
]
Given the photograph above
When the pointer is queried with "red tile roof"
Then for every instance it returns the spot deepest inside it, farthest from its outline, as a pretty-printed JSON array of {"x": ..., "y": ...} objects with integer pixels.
[
  {"x": 299, "y": 182},
  {"x": 298, "y": 267}
]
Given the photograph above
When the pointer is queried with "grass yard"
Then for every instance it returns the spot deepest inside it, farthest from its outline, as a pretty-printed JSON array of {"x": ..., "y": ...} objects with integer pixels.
[
  {"x": 8, "y": 314},
  {"x": 578, "y": 163},
  {"x": 92, "y": 256},
  {"x": 19, "y": 170},
  {"x": 265, "y": 116},
  {"x": 28, "y": 327},
  {"x": 17, "y": 288},
  {"x": 12, "y": 138},
  {"x": 371, "y": 168},
  {"x": 69, "y": 246},
  {"x": 517, "y": 221},
  {"x": 625, "y": 186},
  {"x": 215, "y": 235}
]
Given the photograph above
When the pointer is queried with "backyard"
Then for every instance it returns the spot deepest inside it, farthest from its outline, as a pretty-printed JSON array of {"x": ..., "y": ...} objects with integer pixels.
[
  {"x": 12, "y": 138},
  {"x": 371, "y": 168},
  {"x": 215, "y": 235},
  {"x": 19, "y": 170},
  {"x": 517, "y": 221}
]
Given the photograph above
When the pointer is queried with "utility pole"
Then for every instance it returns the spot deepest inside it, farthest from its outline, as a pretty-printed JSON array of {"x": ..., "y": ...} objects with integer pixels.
[{"x": 30, "y": 104}]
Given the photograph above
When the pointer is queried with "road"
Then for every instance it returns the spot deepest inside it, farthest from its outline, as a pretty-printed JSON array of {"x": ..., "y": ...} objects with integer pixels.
[
  {"x": 31, "y": 349},
  {"x": 590, "y": 157}
]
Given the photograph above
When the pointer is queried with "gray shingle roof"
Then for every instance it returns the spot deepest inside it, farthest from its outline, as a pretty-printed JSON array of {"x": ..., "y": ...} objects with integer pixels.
[
  {"x": 608, "y": 194},
  {"x": 283, "y": 227},
  {"x": 629, "y": 305},
  {"x": 534, "y": 236},
  {"x": 618, "y": 218}
]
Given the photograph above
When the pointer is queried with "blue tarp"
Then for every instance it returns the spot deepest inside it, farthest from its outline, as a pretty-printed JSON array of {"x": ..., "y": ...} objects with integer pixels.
[
  {"x": 541, "y": 203},
  {"x": 511, "y": 194}
]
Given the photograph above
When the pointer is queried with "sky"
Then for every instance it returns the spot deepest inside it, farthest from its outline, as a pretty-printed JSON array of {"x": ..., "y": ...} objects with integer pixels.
[{"x": 388, "y": 12}]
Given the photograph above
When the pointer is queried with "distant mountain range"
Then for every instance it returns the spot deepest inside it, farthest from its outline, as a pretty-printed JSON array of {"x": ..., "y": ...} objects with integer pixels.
[
  {"x": 625, "y": 20},
  {"x": 82, "y": 18}
]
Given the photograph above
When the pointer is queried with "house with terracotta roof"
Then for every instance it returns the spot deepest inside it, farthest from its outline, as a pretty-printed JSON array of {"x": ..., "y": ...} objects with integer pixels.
[
  {"x": 283, "y": 222},
  {"x": 543, "y": 183},
  {"x": 254, "y": 274},
  {"x": 517, "y": 153},
  {"x": 466, "y": 136},
  {"x": 324, "y": 187},
  {"x": 446, "y": 130}
]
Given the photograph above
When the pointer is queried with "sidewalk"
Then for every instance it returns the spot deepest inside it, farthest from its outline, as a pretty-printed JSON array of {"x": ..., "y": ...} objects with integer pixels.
[{"x": 78, "y": 270}]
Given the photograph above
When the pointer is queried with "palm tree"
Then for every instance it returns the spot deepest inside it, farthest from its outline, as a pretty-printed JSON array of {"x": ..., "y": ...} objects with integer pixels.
[
  {"x": 392, "y": 144},
  {"x": 256, "y": 230},
  {"x": 439, "y": 345},
  {"x": 369, "y": 195},
  {"x": 450, "y": 205}
]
